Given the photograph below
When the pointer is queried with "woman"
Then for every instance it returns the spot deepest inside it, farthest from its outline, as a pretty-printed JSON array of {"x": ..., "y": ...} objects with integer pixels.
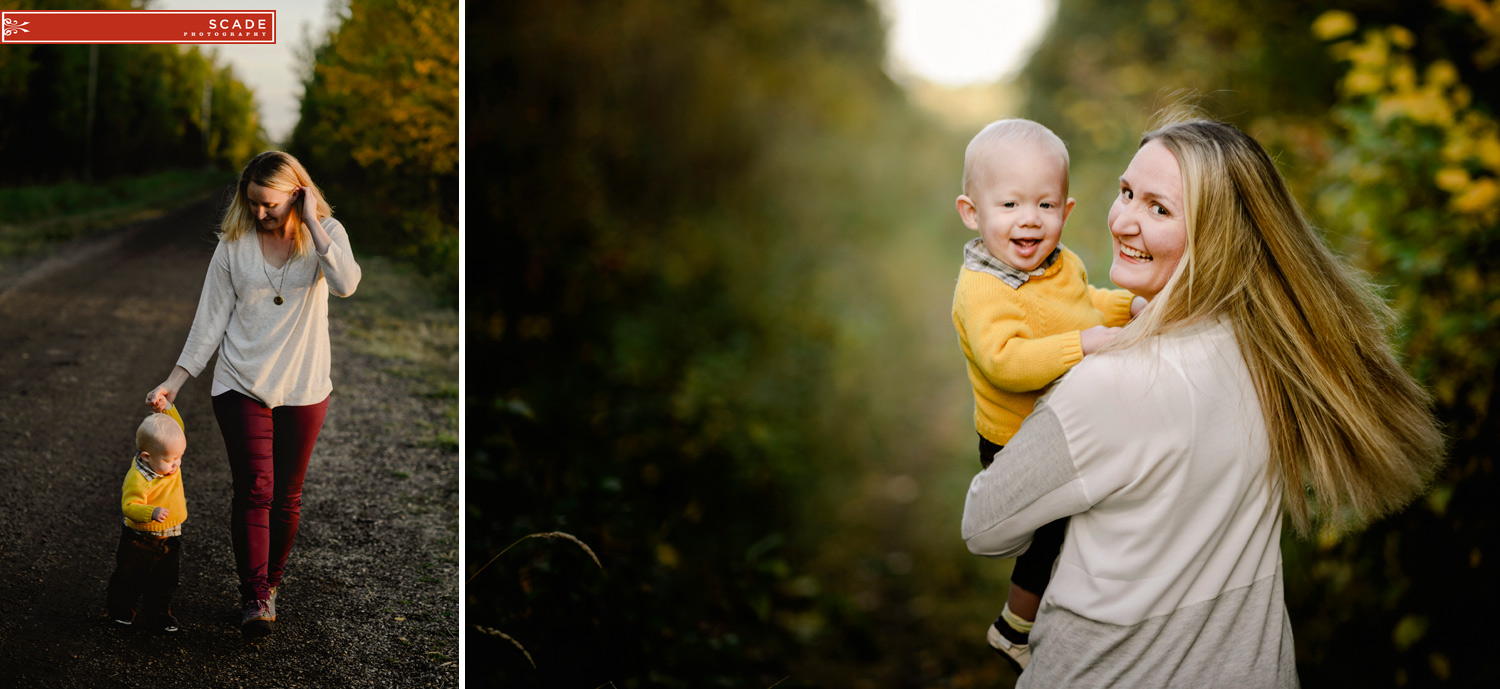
[
  {"x": 1261, "y": 370},
  {"x": 264, "y": 309}
]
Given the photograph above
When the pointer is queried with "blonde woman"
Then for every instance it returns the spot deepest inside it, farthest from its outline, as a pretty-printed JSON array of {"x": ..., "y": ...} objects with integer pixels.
[
  {"x": 1259, "y": 379},
  {"x": 264, "y": 310}
]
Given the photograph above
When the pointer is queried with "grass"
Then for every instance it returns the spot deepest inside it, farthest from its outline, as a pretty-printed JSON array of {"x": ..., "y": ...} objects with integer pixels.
[
  {"x": 36, "y": 220},
  {"x": 401, "y": 318}
]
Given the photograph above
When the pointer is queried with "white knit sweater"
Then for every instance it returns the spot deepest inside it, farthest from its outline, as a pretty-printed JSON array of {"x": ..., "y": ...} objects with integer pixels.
[
  {"x": 277, "y": 354},
  {"x": 1170, "y": 574}
]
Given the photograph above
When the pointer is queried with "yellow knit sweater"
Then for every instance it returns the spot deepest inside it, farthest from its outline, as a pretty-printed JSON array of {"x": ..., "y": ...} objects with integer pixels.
[
  {"x": 1018, "y": 340},
  {"x": 139, "y": 497}
]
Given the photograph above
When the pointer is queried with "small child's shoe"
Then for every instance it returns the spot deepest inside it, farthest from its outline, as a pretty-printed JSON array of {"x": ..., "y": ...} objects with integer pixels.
[
  {"x": 123, "y": 620},
  {"x": 271, "y": 603},
  {"x": 1018, "y": 654},
  {"x": 163, "y": 622},
  {"x": 256, "y": 620}
]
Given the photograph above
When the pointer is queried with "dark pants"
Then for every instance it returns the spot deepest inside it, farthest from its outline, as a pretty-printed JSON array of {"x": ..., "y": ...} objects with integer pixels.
[
  {"x": 1034, "y": 567},
  {"x": 146, "y": 568},
  {"x": 268, "y": 451}
]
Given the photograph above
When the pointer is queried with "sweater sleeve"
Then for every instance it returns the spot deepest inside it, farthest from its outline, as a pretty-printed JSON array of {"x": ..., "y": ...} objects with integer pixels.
[
  {"x": 338, "y": 264},
  {"x": 1031, "y": 483},
  {"x": 1104, "y": 429},
  {"x": 1113, "y": 303},
  {"x": 133, "y": 498},
  {"x": 1006, "y": 350},
  {"x": 215, "y": 306}
]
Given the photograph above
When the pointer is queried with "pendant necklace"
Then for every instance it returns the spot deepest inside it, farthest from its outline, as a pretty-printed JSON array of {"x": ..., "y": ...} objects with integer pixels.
[{"x": 277, "y": 288}]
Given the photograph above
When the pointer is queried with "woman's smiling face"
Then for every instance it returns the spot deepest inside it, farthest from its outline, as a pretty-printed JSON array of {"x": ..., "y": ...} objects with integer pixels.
[
  {"x": 1148, "y": 222},
  {"x": 270, "y": 207}
]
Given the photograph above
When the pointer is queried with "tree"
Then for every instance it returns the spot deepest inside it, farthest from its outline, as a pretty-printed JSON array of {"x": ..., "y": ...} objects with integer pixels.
[{"x": 380, "y": 125}]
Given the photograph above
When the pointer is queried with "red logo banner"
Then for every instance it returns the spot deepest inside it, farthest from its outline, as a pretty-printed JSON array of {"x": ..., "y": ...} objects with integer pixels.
[{"x": 138, "y": 26}]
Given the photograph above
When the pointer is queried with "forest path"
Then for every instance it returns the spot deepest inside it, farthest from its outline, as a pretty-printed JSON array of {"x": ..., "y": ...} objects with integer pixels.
[{"x": 370, "y": 597}]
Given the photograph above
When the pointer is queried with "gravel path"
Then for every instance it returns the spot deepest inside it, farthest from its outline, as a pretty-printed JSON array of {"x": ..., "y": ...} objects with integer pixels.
[{"x": 371, "y": 592}]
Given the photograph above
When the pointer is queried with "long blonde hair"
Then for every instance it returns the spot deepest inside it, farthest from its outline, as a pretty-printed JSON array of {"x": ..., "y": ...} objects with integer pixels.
[
  {"x": 279, "y": 171},
  {"x": 1352, "y": 435}
]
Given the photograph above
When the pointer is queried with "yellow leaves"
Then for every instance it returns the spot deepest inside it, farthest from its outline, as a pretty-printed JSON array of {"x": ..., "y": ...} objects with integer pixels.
[
  {"x": 1363, "y": 83},
  {"x": 1440, "y": 666},
  {"x": 1472, "y": 144},
  {"x": 1400, "y": 37},
  {"x": 1452, "y": 179},
  {"x": 1487, "y": 149},
  {"x": 391, "y": 75},
  {"x": 1487, "y": 18},
  {"x": 1442, "y": 73},
  {"x": 1383, "y": 72},
  {"x": 1328, "y": 537},
  {"x": 1334, "y": 24},
  {"x": 1403, "y": 77},
  {"x": 1481, "y": 196},
  {"x": 1409, "y": 631},
  {"x": 1373, "y": 53},
  {"x": 668, "y": 556},
  {"x": 1423, "y": 106}
]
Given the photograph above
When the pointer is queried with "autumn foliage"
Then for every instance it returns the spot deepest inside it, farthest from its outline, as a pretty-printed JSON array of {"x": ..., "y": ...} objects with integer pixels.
[{"x": 379, "y": 127}]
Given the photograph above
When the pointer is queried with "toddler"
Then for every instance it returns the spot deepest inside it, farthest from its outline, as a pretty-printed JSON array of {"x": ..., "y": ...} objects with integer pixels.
[
  {"x": 1025, "y": 314},
  {"x": 146, "y": 563}
]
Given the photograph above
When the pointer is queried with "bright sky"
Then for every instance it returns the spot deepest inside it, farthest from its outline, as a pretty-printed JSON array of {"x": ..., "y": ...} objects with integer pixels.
[
  {"x": 963, "y": 42},
  {"x": 269, "y": 70}
]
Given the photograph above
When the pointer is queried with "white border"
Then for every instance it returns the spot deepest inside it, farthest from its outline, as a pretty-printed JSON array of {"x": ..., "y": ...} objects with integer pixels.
[{"x": 462, "y": 380}]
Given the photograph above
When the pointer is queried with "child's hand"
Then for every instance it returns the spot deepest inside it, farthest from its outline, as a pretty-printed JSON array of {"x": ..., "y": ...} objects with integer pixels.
[
  {"x": 159, "y": 514},
  {"x": 1096, "y": 337},
  {"x": 161, "y": 398},
  {"x": 1137, "y": 305}
]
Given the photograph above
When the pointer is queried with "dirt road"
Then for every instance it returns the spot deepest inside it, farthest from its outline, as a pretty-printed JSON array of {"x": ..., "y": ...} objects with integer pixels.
[{"x": 371, "y": 594}]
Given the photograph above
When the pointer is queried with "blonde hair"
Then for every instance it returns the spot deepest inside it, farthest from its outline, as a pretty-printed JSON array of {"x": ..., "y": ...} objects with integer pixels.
[
  {"x": 1352, "y": 435},
  {"x": 154, "y": 432},
  {"x": 1014, "y": 129},
  {"x": 279, "y": 171}
]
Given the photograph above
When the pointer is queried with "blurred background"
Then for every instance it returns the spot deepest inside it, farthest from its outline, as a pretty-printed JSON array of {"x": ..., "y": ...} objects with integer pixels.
[
  {"x": 712, "y": 249},
  {"x": 363, "y": 92}
]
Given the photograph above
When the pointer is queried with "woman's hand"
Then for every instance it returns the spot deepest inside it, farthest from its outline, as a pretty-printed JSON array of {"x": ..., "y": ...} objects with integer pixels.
[
  {"x": 161, "y": 398},
  {"x": 309, "y": 210},
  {"x": 1137, "y": 305},
  {"x": 320, "y": 237},
  {"x": 165, "y": 395},
  {"x": 1096, "y": 337}
]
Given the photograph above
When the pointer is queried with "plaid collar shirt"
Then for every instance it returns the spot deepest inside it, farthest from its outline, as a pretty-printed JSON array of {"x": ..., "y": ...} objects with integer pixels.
[
  {"x": 976, "y": 258},
  {"x": 145, "y": 468}
]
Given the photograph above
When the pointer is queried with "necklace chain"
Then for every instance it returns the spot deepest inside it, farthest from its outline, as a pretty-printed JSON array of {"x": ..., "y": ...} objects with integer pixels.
[{"x": 275, "y": 287}]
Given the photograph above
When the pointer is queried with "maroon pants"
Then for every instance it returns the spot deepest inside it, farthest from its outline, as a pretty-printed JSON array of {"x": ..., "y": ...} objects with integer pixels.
[{"x": 268, "y": 452}]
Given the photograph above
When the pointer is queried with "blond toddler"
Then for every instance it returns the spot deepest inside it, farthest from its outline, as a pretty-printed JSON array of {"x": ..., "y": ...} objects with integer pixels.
[
  {"x": 1025, "y": 315},
  {"x": 148, "y": 559}
]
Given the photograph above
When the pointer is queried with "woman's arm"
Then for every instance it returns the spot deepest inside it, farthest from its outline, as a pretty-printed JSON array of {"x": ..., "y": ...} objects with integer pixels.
[
  {"x": 337, "y": 261},
  {"x": 320, "y": 238},
  {"x": 162, "y": 398},
  {"x": 215, "y": 306},
  {"x": 1032, "y": 482},
  {"x": 1115, "y": 419}
]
